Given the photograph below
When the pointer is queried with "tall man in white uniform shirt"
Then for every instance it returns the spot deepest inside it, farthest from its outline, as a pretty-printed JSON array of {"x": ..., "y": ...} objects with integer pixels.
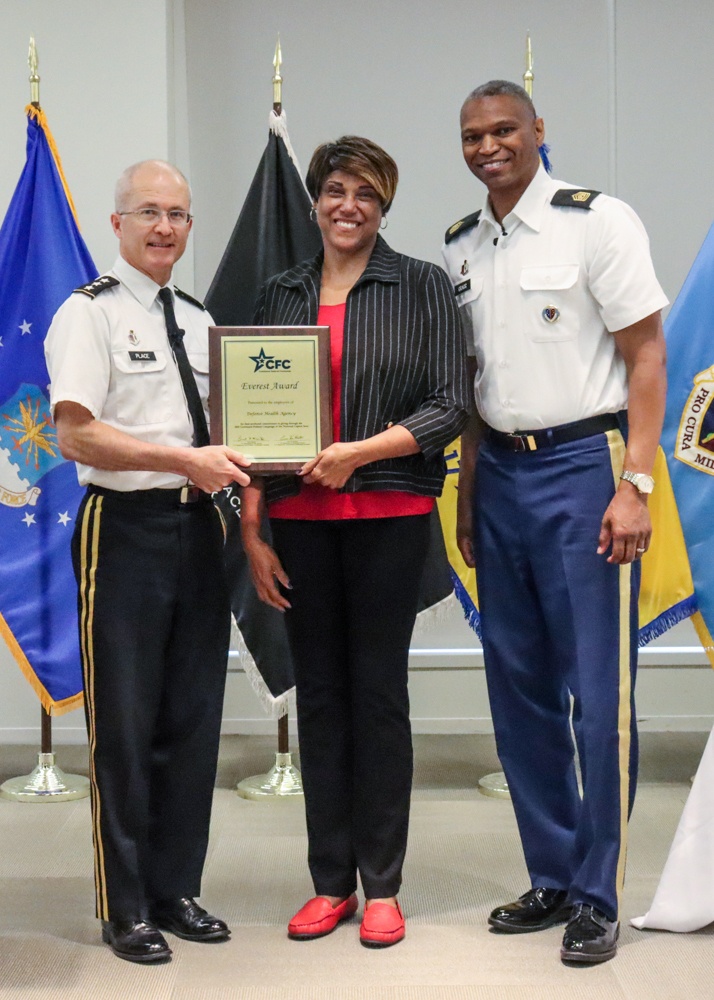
[
  {"x": 127, "y": 356},
  {"x": 560, "y": 306}
]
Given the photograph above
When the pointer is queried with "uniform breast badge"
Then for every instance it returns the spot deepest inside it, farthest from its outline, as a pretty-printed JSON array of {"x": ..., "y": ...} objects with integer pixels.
[
  {"x": 550, "y": 314},
  {"x": 464, "y": 268},
  {"x": 133, "y": 339}
]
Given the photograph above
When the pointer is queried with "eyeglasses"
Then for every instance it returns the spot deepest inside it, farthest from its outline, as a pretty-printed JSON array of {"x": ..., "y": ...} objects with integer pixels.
[{"x": 152, "y": 216}]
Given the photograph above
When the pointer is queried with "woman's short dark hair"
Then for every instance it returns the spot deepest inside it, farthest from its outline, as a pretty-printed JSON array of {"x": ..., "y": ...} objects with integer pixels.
[{"x": 358, "y": 156}]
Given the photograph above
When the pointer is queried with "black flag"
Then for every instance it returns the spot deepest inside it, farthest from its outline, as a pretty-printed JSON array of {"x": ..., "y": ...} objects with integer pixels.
[{"x": 273, "y": 233}]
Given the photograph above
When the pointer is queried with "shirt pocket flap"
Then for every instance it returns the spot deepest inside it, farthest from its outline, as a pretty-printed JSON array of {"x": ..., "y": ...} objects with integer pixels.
[
  {"x": 199, "y": 361},
  {"x": 139, "y": 362},
  {"x": 553, "y": 278}
]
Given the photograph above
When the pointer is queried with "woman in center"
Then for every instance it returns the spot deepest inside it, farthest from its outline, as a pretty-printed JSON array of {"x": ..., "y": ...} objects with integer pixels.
[{"x": 351, "y": 530}]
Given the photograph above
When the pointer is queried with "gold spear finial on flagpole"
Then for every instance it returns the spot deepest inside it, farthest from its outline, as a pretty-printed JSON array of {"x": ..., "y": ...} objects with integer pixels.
[
  {"x": 277, "y": 80},
  {"x": 528, "y": 75},
  {"x": 34, "y": 78}
]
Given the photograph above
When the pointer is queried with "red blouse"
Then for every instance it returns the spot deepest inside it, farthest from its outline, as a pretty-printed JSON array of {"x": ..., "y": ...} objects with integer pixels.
[{"x": 320, "y": 503}]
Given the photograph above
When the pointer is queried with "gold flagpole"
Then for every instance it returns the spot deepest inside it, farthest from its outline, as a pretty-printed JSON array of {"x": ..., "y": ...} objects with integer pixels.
[
  {"x": 34, "y": 78},
  {"x": 47, "y": 782},
  {"x": 277, "y": 79},
  {"x": 528, "y": 75},
  {"x": 283, "y": 778}
]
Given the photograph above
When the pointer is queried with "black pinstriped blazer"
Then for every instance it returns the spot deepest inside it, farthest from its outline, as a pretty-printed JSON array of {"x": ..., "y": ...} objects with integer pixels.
[{"x": 403, "y": 362}]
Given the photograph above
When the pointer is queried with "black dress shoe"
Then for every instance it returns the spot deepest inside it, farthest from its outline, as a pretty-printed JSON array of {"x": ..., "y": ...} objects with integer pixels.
[
  {"x": 186, "y": 919},
  {"x": 533, "y": 911},
  {"x": 135, "y": 940},
  {"x": 589, "y": 936}
]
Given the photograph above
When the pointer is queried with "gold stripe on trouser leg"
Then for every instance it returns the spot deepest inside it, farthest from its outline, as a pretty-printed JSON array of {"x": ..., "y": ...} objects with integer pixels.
[
  {"x": 89, "y": 552},
  {"x": 624, "y": 720}
]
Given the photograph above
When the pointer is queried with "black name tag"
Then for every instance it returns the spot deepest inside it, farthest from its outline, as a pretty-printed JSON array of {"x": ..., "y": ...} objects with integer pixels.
[
  {"x": 463, "y": 286},
  {"x": 142, "y": 356}
]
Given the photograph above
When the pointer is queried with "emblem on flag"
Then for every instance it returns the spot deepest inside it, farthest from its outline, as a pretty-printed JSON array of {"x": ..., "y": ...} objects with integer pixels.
[
  {"x": 28, "y": 446},
  {"x": 695, "y": 437}
]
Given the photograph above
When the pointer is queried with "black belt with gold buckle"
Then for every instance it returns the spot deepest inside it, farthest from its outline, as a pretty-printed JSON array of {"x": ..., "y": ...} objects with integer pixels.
[{"x": 547, "y": 437}]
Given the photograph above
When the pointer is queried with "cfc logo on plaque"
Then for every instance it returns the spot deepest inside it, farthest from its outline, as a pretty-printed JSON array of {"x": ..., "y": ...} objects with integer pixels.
[
  {"x": 695, "y": 437},
  {"x": 269, "y": 362}
]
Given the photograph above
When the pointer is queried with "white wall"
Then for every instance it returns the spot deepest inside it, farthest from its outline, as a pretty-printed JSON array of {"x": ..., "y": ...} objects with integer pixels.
[
  {"x": 624, "y": 87},
  {"x": 620, "y": 83},
  {"x": 107, "y": 84}
]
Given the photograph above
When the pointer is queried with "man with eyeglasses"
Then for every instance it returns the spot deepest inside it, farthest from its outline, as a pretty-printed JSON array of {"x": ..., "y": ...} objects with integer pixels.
[{"x": 128, "y": 362}]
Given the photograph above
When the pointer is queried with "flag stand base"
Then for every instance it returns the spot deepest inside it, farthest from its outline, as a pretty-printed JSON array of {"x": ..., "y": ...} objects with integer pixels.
[
  {"x": 494, "y": 785},
  {"x": 47, "y": 783},
  {"x": 281, "y": 780}
]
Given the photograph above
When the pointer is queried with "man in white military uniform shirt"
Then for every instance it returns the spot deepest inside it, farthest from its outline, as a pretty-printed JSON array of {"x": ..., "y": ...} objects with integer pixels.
[
  {"x": 560, "y": 306},
  {"x": 128, "y": 362}
]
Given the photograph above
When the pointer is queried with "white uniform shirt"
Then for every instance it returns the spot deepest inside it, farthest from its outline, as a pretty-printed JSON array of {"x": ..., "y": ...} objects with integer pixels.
[
  {"x": 93, "y": 350},
  {"x": 587, "y": 270}
]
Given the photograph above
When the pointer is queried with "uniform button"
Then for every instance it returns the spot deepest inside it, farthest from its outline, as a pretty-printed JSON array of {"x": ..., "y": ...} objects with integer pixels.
[
  {"x": 501, "y": 323},
  {"x": 506, "y": 403},
  {"x": 504, "y": 364}
]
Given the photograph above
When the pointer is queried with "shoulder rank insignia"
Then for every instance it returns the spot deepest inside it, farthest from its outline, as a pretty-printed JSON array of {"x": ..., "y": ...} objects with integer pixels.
[
  {"x": 189, "y": 298},
  {"x": 98, "y": 285},
  {"x": 462, "y": 226},
  {"x": 573, "y": 198}
]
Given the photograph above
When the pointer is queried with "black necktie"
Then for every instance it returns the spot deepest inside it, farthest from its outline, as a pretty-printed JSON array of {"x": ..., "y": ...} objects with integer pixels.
[{"x": 175, "y": 334}]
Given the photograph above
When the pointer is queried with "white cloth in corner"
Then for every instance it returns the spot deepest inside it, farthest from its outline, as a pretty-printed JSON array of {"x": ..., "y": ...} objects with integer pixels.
[{"x": 684, "y": 900}]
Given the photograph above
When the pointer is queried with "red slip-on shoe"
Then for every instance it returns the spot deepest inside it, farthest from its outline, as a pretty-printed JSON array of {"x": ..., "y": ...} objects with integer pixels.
[
  {"x": 382, "y": 925},
  {"x": 319, "y": 917}
]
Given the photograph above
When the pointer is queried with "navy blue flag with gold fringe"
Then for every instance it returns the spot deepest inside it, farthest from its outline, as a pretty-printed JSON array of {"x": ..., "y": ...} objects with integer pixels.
[{"x": 42, "y": 258}]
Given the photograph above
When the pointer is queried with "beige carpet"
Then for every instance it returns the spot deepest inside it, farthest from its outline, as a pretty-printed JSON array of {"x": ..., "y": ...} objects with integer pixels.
[{"x": 463, "y": 859}]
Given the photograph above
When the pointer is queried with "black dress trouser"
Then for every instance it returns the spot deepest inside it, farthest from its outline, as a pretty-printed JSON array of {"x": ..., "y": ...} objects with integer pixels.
[
  {"x": 154, "y": 624},
  {"x": 354, "y": 597}
]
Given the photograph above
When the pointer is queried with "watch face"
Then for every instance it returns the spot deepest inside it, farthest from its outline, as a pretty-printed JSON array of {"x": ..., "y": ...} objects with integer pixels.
[{"x": 640, "y": 480}]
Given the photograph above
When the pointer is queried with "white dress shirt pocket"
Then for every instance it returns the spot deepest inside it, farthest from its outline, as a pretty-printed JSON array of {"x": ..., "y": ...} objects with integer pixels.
[
  {"x": 142, "y": 387},
  {"x": 550, "y": 302}
]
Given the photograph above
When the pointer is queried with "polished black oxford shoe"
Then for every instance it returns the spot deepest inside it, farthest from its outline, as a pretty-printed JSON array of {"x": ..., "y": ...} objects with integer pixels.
[
  {"x": 135, "y": 940},
  {"x": 186, "y": 919},
  {"x": 589, "y": 936},
  {"x": 533, "y": 911}
]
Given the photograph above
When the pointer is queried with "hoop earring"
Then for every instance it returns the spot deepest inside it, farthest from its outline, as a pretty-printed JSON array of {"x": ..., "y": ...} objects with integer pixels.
[
  {"x": 313, "y": 216},
  {"x": 384, "y": 223}
]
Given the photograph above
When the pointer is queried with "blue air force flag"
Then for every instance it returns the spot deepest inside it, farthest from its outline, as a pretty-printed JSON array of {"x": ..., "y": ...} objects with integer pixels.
[{"x": 42, "y": 258}]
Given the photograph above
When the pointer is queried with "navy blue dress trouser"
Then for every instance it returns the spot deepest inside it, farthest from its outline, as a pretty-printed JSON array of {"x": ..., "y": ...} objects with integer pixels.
[{"x": 560, "y": 629}]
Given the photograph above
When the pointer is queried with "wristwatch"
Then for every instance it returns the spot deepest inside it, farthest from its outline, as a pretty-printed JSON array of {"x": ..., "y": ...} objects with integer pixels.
[{"x": 640, "y": 480}]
